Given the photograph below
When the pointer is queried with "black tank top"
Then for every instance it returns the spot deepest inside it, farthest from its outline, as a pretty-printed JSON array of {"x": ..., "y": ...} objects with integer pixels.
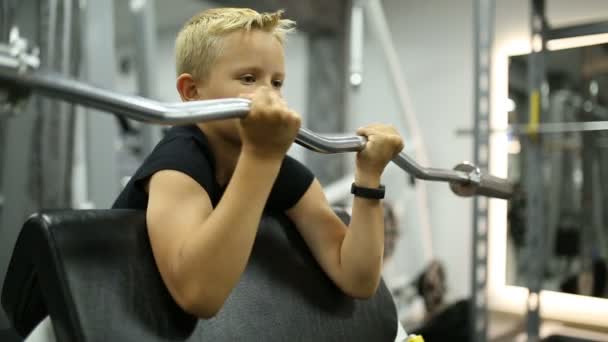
[{"x": 186, "y": 149}]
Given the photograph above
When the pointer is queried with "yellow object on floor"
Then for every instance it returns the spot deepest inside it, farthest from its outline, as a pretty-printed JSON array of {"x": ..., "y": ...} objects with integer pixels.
[{"x": 415, "y": 338}]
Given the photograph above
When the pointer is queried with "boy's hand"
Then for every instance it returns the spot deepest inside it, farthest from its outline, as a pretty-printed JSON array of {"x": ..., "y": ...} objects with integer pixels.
[
  {"x": 271, "y": 127},
  {"x": 383, "y": 144}
]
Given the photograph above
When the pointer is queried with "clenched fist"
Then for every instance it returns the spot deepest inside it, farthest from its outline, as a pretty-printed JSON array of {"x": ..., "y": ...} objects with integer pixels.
[
  {"x": 270, "y": 127},
  {"x": 383, "y": 144}
]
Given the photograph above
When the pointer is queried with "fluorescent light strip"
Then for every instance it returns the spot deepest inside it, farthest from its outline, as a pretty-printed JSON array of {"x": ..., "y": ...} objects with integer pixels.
[{"x": 574, "y": 42}]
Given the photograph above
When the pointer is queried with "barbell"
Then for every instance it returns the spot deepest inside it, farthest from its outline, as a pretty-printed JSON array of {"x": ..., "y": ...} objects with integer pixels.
[{"x": 19, "y": 76}]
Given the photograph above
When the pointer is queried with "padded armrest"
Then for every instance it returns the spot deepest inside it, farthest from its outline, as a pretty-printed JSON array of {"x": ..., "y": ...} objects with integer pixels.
[{"x": 94, "y": 273}]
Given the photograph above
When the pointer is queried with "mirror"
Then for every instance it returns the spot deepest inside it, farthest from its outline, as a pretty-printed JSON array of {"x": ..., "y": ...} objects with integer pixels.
[
  {"x": 575, "y": 170},
  {"x": 574, "y": 166}
]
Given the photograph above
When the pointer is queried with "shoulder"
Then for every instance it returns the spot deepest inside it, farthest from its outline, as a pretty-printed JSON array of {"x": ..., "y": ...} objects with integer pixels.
[
  {"x": 186, "y": 151},
  {"x": 176, "y": 151},
  {"x": 293, "y": 181},
  {"x": 186, "y": 134}
]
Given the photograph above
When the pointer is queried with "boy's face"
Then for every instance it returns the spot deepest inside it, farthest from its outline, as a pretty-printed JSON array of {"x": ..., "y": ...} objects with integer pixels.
[{"x": 247, "y": 61}]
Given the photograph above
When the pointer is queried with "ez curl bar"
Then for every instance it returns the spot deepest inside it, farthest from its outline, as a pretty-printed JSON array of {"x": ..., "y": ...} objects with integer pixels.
[{"x": 19, "y": 76}]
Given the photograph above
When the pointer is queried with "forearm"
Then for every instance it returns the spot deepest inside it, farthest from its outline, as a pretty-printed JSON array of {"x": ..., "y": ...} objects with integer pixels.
[
  {"x": 215, "y": 255},
  {"x": 363, "y": 246}
]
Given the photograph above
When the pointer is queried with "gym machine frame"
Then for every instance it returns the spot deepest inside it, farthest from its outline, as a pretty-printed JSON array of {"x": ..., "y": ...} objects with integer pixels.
[
  {"x": 19, "y": 76},
  {"x": 483, "y": 33}
]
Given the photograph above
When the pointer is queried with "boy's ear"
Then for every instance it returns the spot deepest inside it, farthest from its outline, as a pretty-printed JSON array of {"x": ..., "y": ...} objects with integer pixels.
[{"x": 186, "y": 87}]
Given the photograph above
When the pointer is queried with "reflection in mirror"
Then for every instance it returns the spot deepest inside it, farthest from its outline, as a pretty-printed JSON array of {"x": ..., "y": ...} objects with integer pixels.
[{"x": 575, "y": 170}]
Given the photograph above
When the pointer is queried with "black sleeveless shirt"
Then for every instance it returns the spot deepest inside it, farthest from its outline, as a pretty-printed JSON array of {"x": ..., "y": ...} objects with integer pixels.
[{"x": 186, "y": 149}]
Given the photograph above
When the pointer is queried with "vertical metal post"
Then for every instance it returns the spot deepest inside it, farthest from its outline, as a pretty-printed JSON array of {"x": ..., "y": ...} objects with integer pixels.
[
  {"x": 99, "y": 58},
  {"x": 144, "y": 27},
  {"x": 356, "y": 44},
  {"x": 327, "y": 94},
  {"x": 602, "y": 199},
  {"x": 54, "y": 147},
  {"x": 3, "y": 124},
  {"x": 538, "y": 92},
  {"x": 591, "y": 198},
  {"x": 484, "y": 38},
  {"x": 16, "y": 182}
]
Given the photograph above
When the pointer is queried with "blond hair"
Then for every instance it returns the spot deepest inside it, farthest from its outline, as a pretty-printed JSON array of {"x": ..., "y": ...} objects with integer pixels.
[{"x": 198, "y": 43}]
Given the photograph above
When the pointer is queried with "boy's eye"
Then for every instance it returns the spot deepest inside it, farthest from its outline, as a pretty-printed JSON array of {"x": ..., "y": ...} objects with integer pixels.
[
  {"x": 277, "y": 84},
  {"x": 248, "y": 79}
]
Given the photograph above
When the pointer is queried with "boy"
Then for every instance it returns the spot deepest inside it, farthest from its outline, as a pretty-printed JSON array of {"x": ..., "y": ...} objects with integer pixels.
[{"x": 205, "y": 186}]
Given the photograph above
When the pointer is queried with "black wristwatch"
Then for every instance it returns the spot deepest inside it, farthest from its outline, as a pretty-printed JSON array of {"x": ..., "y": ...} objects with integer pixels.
[{"x": 371, "y": 193}]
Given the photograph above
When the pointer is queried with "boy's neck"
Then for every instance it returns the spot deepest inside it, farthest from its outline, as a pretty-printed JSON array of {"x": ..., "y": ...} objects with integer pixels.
[{"x": 225, "y": 155}]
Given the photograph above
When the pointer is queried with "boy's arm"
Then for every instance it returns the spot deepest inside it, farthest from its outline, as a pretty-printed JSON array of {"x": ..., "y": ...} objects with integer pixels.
[
  {"x": 351, "y": 257},
  {"x": 201, "y": 252}
]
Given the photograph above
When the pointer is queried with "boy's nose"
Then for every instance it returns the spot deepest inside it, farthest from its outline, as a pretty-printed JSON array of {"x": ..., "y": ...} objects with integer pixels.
[{"x": 268, "y": 86}]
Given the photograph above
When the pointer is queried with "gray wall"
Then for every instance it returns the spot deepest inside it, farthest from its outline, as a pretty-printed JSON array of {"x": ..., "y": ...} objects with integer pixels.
[{"x": 434, "y": 43}]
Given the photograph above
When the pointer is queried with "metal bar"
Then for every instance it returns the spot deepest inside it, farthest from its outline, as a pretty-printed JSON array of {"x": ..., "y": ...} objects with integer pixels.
[
  {"x": 17, "y": 145},
  {"x": 322, "y": 144},
  {"x": 133, "y": 107},
  {"x": 564, "y": 127},
  {"x": 144, "y": 26},
  {"x": 484, "y": 36},
  {"x": 69, "y": 65},
  {"x": 142, "y": 109},
  {"x": 409, "y": 165},
  {"x": 571, "y": 102},
  {"x": 549, "y": 128},
  {"x": 326, "y": 91},
  {"x": 356, "y": 44},
  {"x": 577, "y": 30},
  {"x": 589, "y": 192},
  {"x": 533, "y": 146},
  {"x": 102, "y": 180}
]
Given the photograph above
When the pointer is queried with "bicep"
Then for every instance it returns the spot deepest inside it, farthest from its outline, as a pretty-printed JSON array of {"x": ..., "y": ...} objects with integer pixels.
[
  {"x": 320, "y": 227},
  {"x": 177, "y": 204}
]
